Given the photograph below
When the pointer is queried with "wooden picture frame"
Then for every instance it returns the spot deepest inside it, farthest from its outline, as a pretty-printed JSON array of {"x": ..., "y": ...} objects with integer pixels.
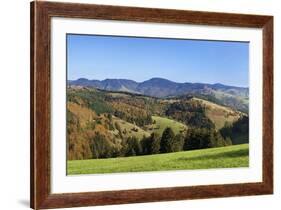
[{"x": 41, "y": 14}]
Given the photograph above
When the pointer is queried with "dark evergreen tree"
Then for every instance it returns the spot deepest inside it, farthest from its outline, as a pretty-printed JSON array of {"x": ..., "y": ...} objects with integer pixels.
[
  {"x": 132, "y": 147},
  {"x": 226, "y": 130},
  {"x": 155, "y": 143},
  {"x": 192, "y": 113},
  {"x": 100, "y": 147},
  {"x": 228, "y": 141},
  {"x": 145, "y": 145},
  {"x": 216, "y": 139},
  {"x": 238, "y": 132},
  {"x": 167, "y": 140},
  {"x": 198, "y": 138},
  {"x": 151, "y": 144},
  {"x": 178, "y": 143}
]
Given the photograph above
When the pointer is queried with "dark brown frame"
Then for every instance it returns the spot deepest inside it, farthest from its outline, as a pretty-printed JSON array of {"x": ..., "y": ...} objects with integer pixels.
[{"x": 41, "y": 14}]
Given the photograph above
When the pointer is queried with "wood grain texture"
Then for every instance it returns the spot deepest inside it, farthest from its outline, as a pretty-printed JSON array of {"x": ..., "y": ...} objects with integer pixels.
[
  {"x": 41, "y": 14},
  {"x": 268, "y": 104},
  {"x": 32, "y": 139},
  {"x": 40, "y": 106}
]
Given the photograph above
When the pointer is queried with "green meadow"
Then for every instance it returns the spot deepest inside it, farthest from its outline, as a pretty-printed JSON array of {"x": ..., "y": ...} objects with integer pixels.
[
  {"x": 162, "y": 122},
  {"x": 222, "y": 157}
]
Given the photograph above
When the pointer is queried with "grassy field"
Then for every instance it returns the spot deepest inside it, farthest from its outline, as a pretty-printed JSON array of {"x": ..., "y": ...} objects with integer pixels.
[
  {"x": 161, "y": 123},
  {"x": 223, "y": 157},
  {"x": 131, "y": 129}
]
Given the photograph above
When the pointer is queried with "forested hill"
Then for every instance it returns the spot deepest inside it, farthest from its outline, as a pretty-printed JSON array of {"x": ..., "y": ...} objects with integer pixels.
[
  {"x": 103, "y": 124},
  {"x": 235, "y": 97}
]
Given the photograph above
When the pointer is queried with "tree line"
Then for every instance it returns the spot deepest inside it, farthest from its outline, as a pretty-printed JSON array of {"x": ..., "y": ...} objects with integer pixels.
[{"x": 195, "y": 138}]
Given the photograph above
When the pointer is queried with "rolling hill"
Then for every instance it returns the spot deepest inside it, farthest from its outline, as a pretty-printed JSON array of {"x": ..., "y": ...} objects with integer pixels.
[
  {"x": 219, "y": 114},
  {"x": 160, "y": 123},
  {"x": 235, "y": 97},
  {"x": 100, "y": 123}
]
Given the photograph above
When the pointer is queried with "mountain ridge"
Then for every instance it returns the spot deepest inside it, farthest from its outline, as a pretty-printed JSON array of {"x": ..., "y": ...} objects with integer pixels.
[
  {"x": 235, "y": 97},
  {"x": 93, "y": 82}
]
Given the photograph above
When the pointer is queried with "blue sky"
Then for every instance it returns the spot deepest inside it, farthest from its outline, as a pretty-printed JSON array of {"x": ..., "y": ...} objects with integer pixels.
[{"x": 140, "y": 59}]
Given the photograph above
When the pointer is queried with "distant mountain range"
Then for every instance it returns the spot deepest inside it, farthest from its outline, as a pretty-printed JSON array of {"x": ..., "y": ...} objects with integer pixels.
[
  {"x": 236, "y": 97},
  {"x": 158, "y": 87}
]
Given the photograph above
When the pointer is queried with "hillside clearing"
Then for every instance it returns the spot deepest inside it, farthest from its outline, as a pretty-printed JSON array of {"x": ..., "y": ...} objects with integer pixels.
[
  {"x": 129, "y": 129},
  {"x": 161, "y": 123},
  {"x": 223, "y": 157},
  {"x": 219, "y": 114}
]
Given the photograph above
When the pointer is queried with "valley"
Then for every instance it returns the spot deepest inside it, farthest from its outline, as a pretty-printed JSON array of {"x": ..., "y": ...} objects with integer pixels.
[
  {"x": 104, "y": 124},
  {"x": 137, "y": 104}
]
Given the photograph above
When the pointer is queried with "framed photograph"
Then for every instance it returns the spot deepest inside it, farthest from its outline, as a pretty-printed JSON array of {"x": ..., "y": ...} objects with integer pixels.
[{"x": 136, "y": 105}]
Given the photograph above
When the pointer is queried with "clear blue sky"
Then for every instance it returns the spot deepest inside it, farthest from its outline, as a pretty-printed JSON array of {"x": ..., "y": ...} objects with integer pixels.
[{"x": 139, "y": 59}]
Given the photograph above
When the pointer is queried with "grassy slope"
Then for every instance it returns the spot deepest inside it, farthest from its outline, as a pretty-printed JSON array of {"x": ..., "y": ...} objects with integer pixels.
[
  {"x": 223, "y": 157},
  {"x": 129, "y": 127},
  {"x": 162, "y": 123},
  {"x": 220, "y": 114}
]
